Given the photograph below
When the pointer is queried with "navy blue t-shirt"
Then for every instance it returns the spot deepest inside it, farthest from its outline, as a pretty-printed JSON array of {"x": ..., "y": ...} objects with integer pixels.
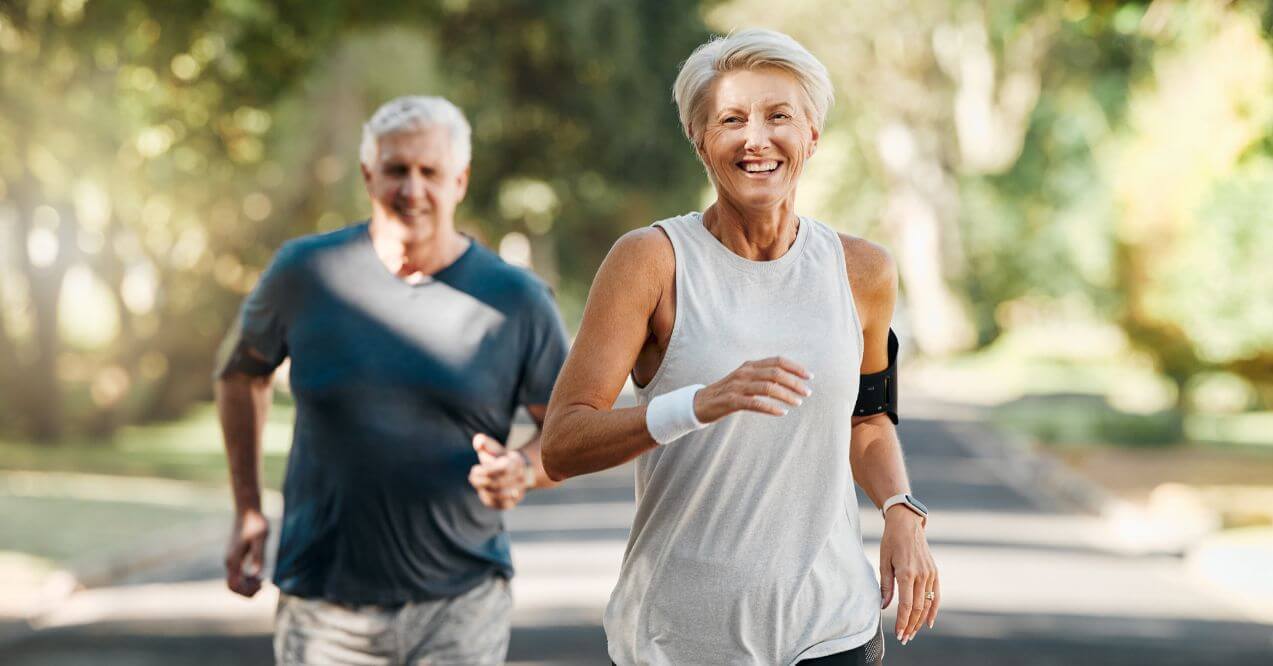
[{"x": 391, "y": 382}]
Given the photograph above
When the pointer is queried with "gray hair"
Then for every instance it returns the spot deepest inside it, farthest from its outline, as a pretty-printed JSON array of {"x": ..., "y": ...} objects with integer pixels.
[
  {"x": 749, "y": 49},
  {"x": 414, "y": 113}
]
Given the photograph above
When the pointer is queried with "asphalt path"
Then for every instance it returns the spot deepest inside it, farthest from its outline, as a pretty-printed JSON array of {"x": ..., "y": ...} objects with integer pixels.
[{"x": 1029, "y": 577}]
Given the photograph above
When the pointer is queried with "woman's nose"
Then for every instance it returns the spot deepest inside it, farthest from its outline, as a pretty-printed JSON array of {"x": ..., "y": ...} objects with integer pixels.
[{"x": 757, "y": 137}]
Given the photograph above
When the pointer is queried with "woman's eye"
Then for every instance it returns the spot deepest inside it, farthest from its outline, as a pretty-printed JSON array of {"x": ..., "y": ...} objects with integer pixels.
[{"x": 782, "y": 116}]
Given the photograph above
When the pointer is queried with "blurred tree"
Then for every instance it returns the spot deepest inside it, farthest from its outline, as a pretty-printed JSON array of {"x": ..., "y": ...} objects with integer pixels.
[
  {"x": 1094, "y": 156},
  {"x": 153, "y": 154},
  {"x": 1190, "y": 174},
  {"x": 928, "y": 92}
]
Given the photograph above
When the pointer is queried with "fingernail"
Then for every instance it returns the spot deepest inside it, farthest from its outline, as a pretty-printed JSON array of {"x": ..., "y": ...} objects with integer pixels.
[
  {"x": 808, "y": 391},
  {"x": 784, "y": 412},
  {"x": 799, "y": 402},
  {"x": 899, "y": 635}
]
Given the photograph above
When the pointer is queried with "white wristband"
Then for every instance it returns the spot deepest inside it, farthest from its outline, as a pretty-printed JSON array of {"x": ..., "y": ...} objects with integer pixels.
[{"x": 671, "y": 415}]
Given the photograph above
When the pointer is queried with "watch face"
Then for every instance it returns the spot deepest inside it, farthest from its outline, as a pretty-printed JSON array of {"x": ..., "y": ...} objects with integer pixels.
[{"x": 910, "y": 499}]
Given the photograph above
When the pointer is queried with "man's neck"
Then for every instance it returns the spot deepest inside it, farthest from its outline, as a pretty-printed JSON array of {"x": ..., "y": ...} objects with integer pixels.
[{"x": 415, "y": 259}]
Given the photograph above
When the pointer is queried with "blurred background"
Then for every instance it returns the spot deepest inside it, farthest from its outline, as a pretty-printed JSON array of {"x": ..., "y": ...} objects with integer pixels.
[{"x": 1079, "y": 195}]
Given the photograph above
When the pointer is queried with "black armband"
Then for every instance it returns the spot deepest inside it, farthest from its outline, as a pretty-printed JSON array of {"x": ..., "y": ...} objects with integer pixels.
[{"x": 877, "y": 392}]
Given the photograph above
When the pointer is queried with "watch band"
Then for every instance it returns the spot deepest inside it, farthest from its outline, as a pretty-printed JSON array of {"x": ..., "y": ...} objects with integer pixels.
[
  {"x": 529, "y": 472},
  {"x": 909, "y": 501}
]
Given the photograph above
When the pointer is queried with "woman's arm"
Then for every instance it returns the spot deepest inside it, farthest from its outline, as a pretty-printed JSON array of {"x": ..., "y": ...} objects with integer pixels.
[
  {"x": 876, "y": 452},
  {"x": 582, "y": 433}
]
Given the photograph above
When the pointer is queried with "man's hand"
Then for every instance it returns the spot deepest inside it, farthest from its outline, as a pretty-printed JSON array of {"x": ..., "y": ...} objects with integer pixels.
[
  {"x": 904, "y": 557},
  {"x": 245, "y": 556},
  {"x": 500, "y": 475}
]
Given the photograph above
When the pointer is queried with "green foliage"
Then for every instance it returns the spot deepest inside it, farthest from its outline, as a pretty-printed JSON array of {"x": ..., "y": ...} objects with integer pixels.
[
  {"x": 1228, "y": 316},
  {"x": 1107, "y": 157},
  {"x": 159, "y": 152},
  {"x": 1086, "y": 419}
]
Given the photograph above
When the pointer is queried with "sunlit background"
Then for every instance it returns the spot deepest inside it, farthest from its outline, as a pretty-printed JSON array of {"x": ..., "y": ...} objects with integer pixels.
[{"x": 1079, "y": 196}]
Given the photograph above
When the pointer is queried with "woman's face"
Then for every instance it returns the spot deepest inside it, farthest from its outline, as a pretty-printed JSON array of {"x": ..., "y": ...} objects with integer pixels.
[{"x": 756, "y": 137}]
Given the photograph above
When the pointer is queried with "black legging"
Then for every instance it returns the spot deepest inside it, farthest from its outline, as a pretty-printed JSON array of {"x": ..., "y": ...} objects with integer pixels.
[{"x": 870, "y": 654}]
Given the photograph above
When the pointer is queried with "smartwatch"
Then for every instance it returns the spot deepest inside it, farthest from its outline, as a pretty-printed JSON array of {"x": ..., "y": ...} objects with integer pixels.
[{"x": 910, "y": 502}]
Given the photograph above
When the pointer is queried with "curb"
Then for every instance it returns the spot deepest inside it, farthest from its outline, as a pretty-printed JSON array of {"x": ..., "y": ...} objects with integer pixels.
[
  {"x": 1025, "y": 465},
  {"x": 111, "y": 570},
  {"x": 157, "y": 550},
  {"x": 1019, "y": 461},
  {"x": 1033, "y": 469}
]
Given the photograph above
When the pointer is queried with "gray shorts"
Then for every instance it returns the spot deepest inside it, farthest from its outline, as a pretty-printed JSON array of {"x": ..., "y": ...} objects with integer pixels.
[{"x": 468, "y": 630}]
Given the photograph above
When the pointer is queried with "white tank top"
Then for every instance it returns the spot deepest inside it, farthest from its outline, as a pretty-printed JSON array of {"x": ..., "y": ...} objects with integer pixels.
[{"x": 746, "y": 547}]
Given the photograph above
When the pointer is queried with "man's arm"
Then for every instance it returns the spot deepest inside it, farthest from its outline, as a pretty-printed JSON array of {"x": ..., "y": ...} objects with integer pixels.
[
  {"x": 243, "y": 402},
  {"x": 500, "y": 477},
  {"x": 532, "y": 448}
]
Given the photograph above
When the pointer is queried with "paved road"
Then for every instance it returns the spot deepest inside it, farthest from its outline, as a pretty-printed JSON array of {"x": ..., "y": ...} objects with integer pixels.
[{"x": 1028, "y": 578}]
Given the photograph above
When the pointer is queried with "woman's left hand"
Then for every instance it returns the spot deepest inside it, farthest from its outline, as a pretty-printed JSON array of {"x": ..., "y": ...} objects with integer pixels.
[{"x": 905, "y": 558}]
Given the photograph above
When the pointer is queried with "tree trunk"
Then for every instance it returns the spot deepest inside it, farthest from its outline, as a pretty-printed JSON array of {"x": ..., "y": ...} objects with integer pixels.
[{"x": 41, "y": 391}]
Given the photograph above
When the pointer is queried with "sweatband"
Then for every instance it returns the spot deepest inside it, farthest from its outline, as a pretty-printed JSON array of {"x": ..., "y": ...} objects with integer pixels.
[{"x": 671, "y": 416}]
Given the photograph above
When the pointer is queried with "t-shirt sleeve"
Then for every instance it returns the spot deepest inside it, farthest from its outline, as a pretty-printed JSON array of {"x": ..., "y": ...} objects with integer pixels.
[
  {"x": 257, "y": 341},
  {"x": 546, "y": 348}
]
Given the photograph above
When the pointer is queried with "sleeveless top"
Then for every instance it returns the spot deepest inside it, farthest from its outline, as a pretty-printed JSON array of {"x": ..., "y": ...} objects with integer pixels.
[{"x": 746, "y": 547}]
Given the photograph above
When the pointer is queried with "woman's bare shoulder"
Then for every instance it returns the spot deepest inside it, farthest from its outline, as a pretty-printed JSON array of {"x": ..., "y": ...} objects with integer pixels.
[
  {"x": 645, "y": 251},
  {"x": 871, "y": 269}
]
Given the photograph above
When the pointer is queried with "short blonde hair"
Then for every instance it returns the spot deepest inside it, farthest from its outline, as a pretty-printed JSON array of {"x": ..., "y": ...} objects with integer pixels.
[{"x": 749, "y": 49}]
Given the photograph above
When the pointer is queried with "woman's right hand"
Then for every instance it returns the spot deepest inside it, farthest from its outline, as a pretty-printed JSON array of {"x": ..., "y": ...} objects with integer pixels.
[{"x": 756, "y": 386}]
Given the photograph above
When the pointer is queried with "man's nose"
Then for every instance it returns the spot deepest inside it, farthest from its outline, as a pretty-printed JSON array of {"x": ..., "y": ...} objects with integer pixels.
[{"x": 412, "y": 186}]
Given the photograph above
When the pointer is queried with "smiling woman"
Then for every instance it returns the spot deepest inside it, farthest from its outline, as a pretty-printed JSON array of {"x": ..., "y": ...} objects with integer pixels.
[
  {"x": 756, "y": 141},
  {"x": 723, "y": 319}
]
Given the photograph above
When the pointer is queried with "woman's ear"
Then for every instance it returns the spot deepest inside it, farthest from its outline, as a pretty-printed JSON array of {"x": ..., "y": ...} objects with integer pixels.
[
  {"x": 696, "y": 141},
  {"x": 815, "y": 135}
]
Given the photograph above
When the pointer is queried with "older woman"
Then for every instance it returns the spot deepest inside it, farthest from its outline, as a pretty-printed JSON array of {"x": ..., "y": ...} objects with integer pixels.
[{"x": 745, "y": 328}]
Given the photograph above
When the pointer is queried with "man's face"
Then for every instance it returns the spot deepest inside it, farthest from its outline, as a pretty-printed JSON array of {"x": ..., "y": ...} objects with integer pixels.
[{"x": 415, "y": 184}]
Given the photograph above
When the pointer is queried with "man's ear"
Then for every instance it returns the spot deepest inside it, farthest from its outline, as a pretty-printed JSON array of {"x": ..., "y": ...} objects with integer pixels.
[{"x": 464, "y": 182}]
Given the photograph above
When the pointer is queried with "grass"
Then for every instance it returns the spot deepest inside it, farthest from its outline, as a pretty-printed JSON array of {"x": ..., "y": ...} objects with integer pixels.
[
  {"x": 1080, "y": 384},
  {"x": 90, "y": 498},
  {"x": 67, "y": 529},
  {"x": 187, "y": 450}
]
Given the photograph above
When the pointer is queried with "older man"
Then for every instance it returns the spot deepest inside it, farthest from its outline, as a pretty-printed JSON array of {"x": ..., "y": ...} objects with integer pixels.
[{"x": 411, "y": 347}]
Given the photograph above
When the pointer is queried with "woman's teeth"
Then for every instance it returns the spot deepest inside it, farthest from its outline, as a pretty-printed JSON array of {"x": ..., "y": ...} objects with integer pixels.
[{"x": 760, "y": 167}]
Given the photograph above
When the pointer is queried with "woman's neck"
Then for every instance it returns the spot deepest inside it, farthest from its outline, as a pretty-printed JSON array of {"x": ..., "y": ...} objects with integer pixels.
[{"x": 755, "y": 234}]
